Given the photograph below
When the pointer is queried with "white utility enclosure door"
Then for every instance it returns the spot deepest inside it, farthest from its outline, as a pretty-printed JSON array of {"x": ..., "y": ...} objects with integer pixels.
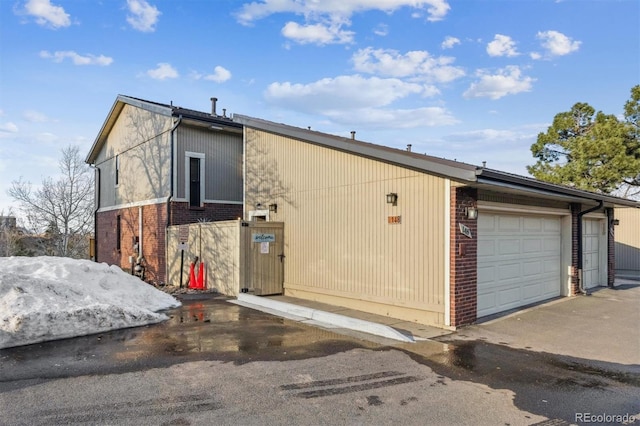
[{"x": 518, "y": 260}]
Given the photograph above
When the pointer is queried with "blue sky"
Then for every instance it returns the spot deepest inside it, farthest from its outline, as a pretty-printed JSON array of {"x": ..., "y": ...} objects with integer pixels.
[{"x": 472, "y": 80}]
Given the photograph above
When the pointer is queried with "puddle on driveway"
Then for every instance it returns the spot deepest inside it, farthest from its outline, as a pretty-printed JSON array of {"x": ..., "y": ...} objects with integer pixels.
[{"x": 211, "y": 329}]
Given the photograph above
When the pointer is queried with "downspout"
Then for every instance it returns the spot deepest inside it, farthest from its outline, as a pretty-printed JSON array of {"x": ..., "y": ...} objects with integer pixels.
[
  {"x": 580, "y": 214},
  {"x": 96, "y": 171},
  {"x": 171, "y": 132},
  {"x": 166, "y": 229}
]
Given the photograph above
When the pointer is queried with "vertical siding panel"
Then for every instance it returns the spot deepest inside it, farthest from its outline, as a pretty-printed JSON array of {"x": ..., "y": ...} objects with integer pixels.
[{"x": 335, "y": 215}]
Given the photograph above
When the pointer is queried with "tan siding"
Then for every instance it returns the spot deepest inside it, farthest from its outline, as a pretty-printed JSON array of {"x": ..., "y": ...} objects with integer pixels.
[
  {"x": 223, "y": 162},
  {"x": 337, "y": 238},
  {"x": 141, "y": 140},
  {"x": 627, "y": 237}
]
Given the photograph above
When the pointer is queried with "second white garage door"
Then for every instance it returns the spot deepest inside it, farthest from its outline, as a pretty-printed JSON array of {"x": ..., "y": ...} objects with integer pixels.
[{"x": 518, "y": 260}]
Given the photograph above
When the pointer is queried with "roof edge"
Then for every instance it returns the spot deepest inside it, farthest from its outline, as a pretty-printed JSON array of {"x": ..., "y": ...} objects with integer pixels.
[
  {"x": 415, "y": 161},
  {"x": 489, "y": 175}
]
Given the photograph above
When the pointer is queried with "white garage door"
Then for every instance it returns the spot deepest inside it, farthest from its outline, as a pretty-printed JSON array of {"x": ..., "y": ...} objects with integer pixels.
[
  {"x": 518, "y": 260},
  {"x": 591, "y": 253}
]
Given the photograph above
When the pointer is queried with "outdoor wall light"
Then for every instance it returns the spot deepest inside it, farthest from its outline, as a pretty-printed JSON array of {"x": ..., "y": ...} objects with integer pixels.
[
  {"x": 392, "y": 198},
  {"x": 273, "y": 208},
  {"x": 471, "y": 212},
  {"x": 615, "y": 222}
]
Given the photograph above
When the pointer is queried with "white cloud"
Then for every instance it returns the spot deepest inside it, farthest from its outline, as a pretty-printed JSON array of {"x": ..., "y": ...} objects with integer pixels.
[
  {"x": 220, "y": 75},
  {"x": 378, "y": 118},
  {"x": 449, "y": 42},
  {"x": 417, "y": 64},
  {"x": 143, "y": 16},
  {"x": 250, "y": 12},
  {"x": 502, "y": 45},
  {"x": 76, "y": 58},
  {"x": 381, "y": 30},
  {"x": 535, "y": 55},
  {"x": 343, "y": 92},
  {"x": 8, "y": 127},
  {"x": 320, "y": 34},
  {"x": 47, "y": 14},
  {"x": 483, "y": 136},
  {"x": 557, "y": 44},
  {"x": 35, "y": 117},
  {"x": 163, "y": 72},
  {"x": 507, "y": 81}
]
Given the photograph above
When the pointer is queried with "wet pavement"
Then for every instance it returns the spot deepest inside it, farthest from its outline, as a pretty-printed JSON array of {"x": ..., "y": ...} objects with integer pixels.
[
  {"x": 538, "y": 384},
  {"x": 203, "y": 328}
]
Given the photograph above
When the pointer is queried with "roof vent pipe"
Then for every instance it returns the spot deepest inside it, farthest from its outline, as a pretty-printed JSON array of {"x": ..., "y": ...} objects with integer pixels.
[
  {"x": 409, "y": 147},
  {"x": 353, "y": 135},
  {"x": 224, "y": 112},
  {"x": 213, "y": 107}
]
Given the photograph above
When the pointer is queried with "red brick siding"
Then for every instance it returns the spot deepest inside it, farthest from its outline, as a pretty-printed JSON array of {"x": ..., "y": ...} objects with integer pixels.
[
  {"x": 106, "y": 236},
  {"x": 611, "y": 249},
  {"x": 154, "y": 225},
  {"x": 574, "y": 287},
  {"x": 182, "y": 214},
  {"x": 463, "y": 258}
]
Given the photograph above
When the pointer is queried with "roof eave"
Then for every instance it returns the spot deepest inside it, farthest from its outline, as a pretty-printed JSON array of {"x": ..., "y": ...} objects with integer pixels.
[
  {"x": 112, "y": 117},
  {"x": 423, "y": 163},
  {"x": 489, "y": 176}
]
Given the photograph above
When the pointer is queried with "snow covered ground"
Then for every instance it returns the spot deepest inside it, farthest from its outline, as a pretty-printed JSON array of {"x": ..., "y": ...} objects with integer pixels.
[{"x": 49, "y": 298}]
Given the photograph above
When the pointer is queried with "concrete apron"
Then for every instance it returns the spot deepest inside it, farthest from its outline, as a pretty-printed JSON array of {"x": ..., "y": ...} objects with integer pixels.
[{"x": 320, "y": 318}]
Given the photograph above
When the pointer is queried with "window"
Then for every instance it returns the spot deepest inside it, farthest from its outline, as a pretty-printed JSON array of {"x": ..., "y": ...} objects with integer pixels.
[
  {"x": 194, "y": 178},
  {"x": 194, "y": 182},
  {"x": 118, "y": 232},
  {"x": 117, "y": 174}
]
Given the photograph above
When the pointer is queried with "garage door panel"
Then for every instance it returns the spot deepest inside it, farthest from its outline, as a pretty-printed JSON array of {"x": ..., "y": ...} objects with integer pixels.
[
  {"x": 551, "y": 266},
  {"x": 552, "y": 245},
  {"x": 486, "y": 248},
  {"x": 531, "y": 245},
  {"x": 487, "y": 299},
  {"x": 508, "y": 247},
  {"x": 533, "y": 224},
  {"x": 508, "y": 223},
  {"x": 532, "y": 268},
  {"x": 509, "y": 297},
  {"x": 518, "y": 260},
  {"x": 552, "y": 226},
  {"x": 509, "y": 272},
  {"x": 486, "y": 275},
  {"x": 532, "y": 291}
]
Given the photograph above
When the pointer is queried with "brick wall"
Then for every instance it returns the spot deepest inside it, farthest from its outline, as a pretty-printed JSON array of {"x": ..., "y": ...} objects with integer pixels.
[
  {"x": 574, "y": 287},
  {"x": 463, "y": 258},
  {"x": 154, "y": 223},
  {"x": 106, "y": 236},
  {"x": 611, "y": 248},
  {"x": 182, "y": 214}
]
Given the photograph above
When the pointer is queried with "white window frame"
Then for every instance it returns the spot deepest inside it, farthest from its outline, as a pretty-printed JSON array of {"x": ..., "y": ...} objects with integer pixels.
[{"x": 188, "y": 155}]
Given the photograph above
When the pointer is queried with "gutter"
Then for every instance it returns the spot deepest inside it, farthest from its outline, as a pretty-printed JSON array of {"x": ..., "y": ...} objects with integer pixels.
[
  {"x": 580, "y": 256},
  {"x": 95, "y": 212},
  {"x": 171, "y": 132},
  {"x": 166, "y": 233}
]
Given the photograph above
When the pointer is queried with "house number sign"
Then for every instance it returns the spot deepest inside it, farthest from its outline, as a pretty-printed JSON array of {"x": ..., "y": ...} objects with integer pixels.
[
  {"x": 394, "y": 220},
  {"x": 263, "y": 238}
]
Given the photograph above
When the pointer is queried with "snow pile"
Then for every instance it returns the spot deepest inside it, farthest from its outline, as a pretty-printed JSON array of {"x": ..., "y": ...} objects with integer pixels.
[{"x": 48, "y": 298}]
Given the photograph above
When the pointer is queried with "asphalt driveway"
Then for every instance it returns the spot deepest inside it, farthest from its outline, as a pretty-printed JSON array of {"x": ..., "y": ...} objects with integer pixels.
[{"x": 603, "y": 327}]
